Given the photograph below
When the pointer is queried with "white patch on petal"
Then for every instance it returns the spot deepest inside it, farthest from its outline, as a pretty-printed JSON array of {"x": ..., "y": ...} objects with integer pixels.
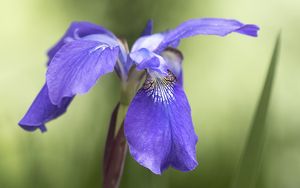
[
  {"x": 160, "y": 89},
  {"x": 101, "y": 47}
]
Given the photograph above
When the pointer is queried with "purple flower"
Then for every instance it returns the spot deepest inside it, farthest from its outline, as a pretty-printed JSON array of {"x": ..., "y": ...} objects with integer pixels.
[{"x": 158, "y": 124}]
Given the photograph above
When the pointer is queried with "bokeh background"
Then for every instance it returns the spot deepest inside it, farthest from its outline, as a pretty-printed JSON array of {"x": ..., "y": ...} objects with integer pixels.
[{"x": 223, "y": 81}]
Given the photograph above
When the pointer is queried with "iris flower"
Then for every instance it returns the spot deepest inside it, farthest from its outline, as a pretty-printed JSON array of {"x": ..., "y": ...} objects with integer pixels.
[{"x": 158, "y": 125}]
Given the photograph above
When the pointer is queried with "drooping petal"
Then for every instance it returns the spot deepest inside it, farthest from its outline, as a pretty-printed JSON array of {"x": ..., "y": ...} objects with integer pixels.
[
  {"x": 145, "y": 59},
  {"x": 148, "y": 29},
  {"x": 77, "y": 66},
  {"x": 77, "y": 30},
  {"x": 42, "y": 110},
  {"x": 159, "y": 128},
  {"x": 206, "y": 26}
]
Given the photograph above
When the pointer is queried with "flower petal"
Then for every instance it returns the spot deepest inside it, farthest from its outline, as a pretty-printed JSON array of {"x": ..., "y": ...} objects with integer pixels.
[
  {"x": 76, "y": 67},
  {"x": 42, "y": 111},
  {"x": 77, "y": 30},
  {"x": 159, "y": 128},
  {"x": 206, "y": 26},
  {"x": 145, "y": 59},
  {"x": 202, "y": 26},
  {"x": 148, "y": 29},
  {"x": 150, "y": 42},
  {"x": 111, "y": 42},
  {"x": 103, "y": 39}
]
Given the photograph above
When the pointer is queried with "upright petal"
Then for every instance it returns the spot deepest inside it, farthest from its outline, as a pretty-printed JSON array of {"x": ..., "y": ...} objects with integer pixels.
[
  {"x": 77, "y": 30},
  {"x": 159, "y": 128},
  {"x": 206, "y": 26},
  {"x": 42, "y": 111},
  {"x": 148, "y": 29},
  {"x": 77, "y": 66}
]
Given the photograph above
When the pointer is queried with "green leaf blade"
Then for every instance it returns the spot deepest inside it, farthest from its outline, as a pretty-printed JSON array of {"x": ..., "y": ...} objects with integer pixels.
[{"x": 251, "y": 159}]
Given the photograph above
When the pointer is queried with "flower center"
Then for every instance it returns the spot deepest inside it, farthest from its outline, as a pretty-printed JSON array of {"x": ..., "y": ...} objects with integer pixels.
[{"x": 160, "y": 89}]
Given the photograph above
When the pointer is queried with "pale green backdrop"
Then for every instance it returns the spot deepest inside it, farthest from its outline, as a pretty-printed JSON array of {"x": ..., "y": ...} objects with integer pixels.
[{"x": 223, "y": 80}]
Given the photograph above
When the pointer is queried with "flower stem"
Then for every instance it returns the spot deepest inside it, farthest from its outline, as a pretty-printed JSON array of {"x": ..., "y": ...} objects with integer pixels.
[
  {"x": 115, "y": 150},
  {"x": 116, "y": 146}
]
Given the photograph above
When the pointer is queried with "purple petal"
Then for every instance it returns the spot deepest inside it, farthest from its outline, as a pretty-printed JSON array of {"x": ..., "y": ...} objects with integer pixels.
[
  {"x": 250, "y": 30},
  {"x": 148, "y": 29},
  {"x": 42, "y": 111},
  {"x": 203, "y": 26},
  {"x": 206, "y": 26},
  {"x": 111, "y": 42},
  {"x": 145, "y": 59},
  {"x": 150, "y": 42},
  {"x": 77, "y": 30},
  {"x": 77, "y": 66},
  {"x": 159, "y": 128},
  {"x": 103, "y": 39}
]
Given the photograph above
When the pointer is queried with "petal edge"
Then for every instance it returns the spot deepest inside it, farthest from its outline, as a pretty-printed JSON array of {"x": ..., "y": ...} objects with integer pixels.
[{"x": 42, "y": 111}]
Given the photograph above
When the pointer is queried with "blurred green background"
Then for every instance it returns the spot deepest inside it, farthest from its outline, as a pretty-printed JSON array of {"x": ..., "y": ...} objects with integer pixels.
[{"x": 223, "y": 81}]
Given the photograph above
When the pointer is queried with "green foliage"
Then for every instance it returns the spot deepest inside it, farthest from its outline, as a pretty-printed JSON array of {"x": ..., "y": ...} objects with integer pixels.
[{"x": 250, "y": 164}]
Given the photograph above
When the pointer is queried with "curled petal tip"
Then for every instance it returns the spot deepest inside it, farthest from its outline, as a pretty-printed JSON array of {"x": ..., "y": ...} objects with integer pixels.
[{"x": 249, "y": 29}]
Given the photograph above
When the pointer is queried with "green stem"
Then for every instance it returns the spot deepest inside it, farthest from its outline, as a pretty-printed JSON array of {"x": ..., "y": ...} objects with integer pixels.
[{"x": 116, "y": 146}]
